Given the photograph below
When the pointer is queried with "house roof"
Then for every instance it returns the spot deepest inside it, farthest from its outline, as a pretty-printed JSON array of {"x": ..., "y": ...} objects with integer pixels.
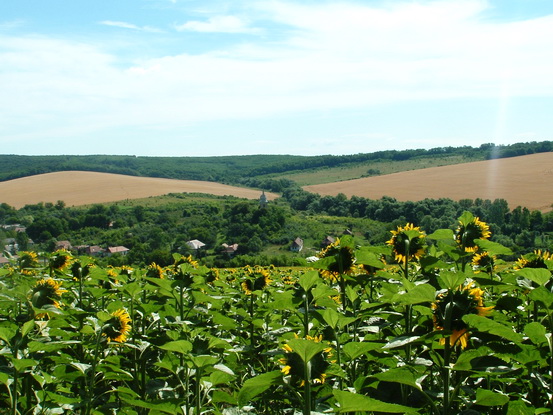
[
  {"x": 195, "y": 244},
  {"x": 117, "y": 249},
  {"x": 298, "y": 242}
]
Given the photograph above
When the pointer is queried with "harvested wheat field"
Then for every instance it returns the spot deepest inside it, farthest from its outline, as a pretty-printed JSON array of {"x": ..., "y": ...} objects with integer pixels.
[
  {"x": 78, "y": 188},
  {"x": 525, "y": 181}
]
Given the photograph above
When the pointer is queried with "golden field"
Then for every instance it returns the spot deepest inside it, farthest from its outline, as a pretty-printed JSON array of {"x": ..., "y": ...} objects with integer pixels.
[
  {"x": 78, "y": 188},
  {"x": 525, "y": 181}
]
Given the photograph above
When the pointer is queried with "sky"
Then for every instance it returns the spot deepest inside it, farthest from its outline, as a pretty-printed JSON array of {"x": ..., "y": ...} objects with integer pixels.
[{"x": 240, "y": 77}]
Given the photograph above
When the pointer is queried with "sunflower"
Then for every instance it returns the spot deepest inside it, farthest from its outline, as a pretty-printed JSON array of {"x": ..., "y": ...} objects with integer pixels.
[
  {"x": 484, "y": 262},
  {"x": 212, "y": 275},
  {"x": 471, "y": 228},
  {"x": 344, "y": 261},
  {"x": 118, "y": 327},
  {"x": 47, "y": 292},
  {"x": 450, "y": 307},
  {"x": 259, "y": 279},
  {"x": 293, "y": 366},
  {"x": 155, "y": 271},
  {"x": 534, "y": 259},
  {"x": 28, "y": 259},
  {"x": 407, "y": 242},
  {"x": 60, "y": 259}
]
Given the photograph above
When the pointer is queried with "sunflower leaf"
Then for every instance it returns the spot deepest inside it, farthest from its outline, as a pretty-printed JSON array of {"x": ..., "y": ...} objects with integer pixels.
[
  {"x": 539, "y": 275},
  {"x": 353, "y": 402},
  {"x": 257, "y": 385},
  {"x": 178, "y": 346},
  {"x": 487, "y": 325},
  {"x": 485, "y": 397},
  {"x": 493, "y": 248},
  {"x": 306, "y": 348},
  {"x": 441, "y": 234},
  {"x": 309, "y": 279},
  {"x": 536, "y": 333}
]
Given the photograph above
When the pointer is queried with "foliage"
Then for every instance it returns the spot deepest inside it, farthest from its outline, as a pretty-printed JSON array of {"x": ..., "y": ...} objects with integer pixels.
[
  {"x": 439, "y": 332},
  {"x": 249, "y": 170}
]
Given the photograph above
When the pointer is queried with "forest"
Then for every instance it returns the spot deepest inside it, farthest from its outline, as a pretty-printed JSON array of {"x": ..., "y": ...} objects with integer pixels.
[
  {"x": 243, "y": 169},
  {"x": 153, "y": 233}
]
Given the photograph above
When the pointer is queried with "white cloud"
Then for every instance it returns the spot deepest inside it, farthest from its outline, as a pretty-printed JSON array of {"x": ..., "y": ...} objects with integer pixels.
[
  {"x": 218, "y": 24},
  {"x": 125, "y": 25},
  {"x": 335, "y": 55}
]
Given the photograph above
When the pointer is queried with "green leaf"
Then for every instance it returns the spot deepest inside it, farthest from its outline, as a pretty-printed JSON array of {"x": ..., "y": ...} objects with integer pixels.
[
  {"x": 539, "y": 275},
  {"x": 4, "y": 378},
  {"x": 7, "y": 334},
  {"x": 353, "y": 350},
  {"x": 400, "y": 342},
  {"x": 178, "y": 346},
  {"x": 519, "y": 408},
  {"x": 487, "y": 325},
  {"x": 331, "y": 317},
  {"x": 441, "y": 234},
  {"x": 536, "y": 333},
  {"x": 305, "y": 348},
  {"x": 366, "y": 257},
  {"x": 20, "y": 364},
  {"x": 400, "y": 375},
  {"x": 35, "y": 346},
  {"x": 167, "y": 406},
  {"x": 422, "y": 293},
  {"x": 353, "y": 402},
  {"x": 309, "y": 279},
  {"x": 220, "y": 396},
  {"x": 493, "y": 248},
  {"x": 451, "y": 280},
  {"x": 203, "y": 361},
  {"x": 485, "y": 397},
  {"x": 257, "y": 385},
  {"x": 27, "y": 327},
  {"x": 542, "y": 295}
]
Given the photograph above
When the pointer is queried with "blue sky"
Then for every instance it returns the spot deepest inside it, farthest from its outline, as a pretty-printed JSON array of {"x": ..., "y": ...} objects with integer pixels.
[{"x": 222, "y": 77}]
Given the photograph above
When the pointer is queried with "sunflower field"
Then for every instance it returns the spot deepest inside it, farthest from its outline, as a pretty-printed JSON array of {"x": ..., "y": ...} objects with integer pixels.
[{"x": 425, "y": 324}]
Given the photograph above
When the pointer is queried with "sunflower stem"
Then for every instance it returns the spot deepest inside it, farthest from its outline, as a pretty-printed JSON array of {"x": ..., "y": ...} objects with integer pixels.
[
  {"x": 306, "y": 389},
  {"x": 91, "y": 378}
]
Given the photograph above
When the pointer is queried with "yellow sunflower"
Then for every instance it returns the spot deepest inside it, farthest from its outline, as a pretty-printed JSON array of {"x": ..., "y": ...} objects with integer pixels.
[
  {"x": 534, "y": 259},
  {"x": 47, "y": 292},
  {"x": 484, "y": 262},
  {"x": 155, "y": 271},
  {"x": 60, "y": 259},
  {"x": 452, "y": 305},
  {"x": 344, "y": 261},
  {"x": 293, "y": 366},
  {"x": 118, "y": 327},
  {"x": 259, "y": 279},
  {"x": 407, "y": 242},
  {"x": 28, "y": 259},
  {"x": 471, "y": 228}
]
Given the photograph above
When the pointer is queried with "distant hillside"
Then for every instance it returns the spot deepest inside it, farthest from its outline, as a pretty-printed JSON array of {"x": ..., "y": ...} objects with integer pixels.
[
  {"x": 522, "y": 181},
  {"x": 255, "y": 170},
  {"x": 77, "y": 188}
]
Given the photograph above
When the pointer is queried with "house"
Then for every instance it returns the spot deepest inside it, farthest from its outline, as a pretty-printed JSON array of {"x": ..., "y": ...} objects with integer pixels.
[
  {"x": 94, "y": 250},
  {"x": 121, "y": 250},
  {"x": 297, "y": 245},
  {"x": 327, "y": 241},
  {"x": 195, "y": 244},
  {"x": 230, "y": 250},
  {"x": 63, "y": 245}
]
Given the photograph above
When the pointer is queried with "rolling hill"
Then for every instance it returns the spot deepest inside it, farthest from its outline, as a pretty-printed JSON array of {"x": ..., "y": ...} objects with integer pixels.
[
  {"x": 78, "y": 188},
  {"x": 525, "y": 181}
]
